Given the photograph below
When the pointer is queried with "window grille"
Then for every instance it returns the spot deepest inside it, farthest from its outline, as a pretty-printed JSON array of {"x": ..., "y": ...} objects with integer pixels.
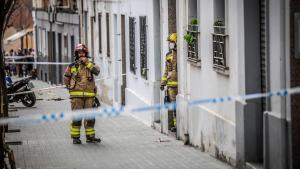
[
  {"x": 100, "y": 32},
  {"x": 193, "y": 45},
  {"x": 132, "y": 44},
  {"x": 219, "y": 48},
  {"x": 108, "y": 35},
  {"x": 143, "y": 46}
]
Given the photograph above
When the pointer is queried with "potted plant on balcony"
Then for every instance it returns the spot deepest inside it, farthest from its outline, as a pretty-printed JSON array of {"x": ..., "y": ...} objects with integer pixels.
[
  {"x": 219, "y": 26},
  {"x": 192, "y": 32}
]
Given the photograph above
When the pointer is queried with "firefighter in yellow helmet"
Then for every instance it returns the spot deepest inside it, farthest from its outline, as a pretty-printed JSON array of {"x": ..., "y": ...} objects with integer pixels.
[
  {"x": 79, "y": 79},
  {"x": 169, "y": 79}
]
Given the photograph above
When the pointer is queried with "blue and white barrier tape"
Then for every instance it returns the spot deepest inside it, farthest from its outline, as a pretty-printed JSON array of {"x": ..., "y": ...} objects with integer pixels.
[
  {"x": 116, "y": 111},
  {"x": 39, "y": 63}
]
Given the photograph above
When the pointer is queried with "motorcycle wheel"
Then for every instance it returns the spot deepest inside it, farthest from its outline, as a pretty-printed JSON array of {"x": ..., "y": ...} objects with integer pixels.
[{"x": 29, "y": 99}]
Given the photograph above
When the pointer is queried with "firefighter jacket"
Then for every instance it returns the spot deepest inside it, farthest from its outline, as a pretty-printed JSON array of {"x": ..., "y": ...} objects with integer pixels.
[
  {"x": 79, "y": 79},
  {"x": 169, "y": 77}
]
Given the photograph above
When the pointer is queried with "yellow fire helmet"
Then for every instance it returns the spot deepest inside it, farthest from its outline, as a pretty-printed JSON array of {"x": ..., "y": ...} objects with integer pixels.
[{"x": 172, "y": 38}]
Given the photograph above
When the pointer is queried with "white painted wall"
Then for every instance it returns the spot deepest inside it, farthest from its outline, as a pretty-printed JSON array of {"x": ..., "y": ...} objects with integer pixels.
[
  {"x": 277, "y": 50},
  {"x": 211, "y": 126},
  {"x": 139, "y": 91}
]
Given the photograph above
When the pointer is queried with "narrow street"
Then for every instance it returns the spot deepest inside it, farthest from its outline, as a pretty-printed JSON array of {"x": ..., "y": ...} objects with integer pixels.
[{"x": 126, "y": 142}]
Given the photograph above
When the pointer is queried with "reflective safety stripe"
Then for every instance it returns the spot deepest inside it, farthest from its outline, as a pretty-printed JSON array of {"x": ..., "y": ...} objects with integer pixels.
[
  {"x": 90, "y": 131},
  {"x": 75, "y": 129},
  {"x": 74, "y": 69},
  {"x": 75, "y": 133},
  {"x": 88, "y": 94},
  {"x": 164, "y": 78},
  {"x": 89, "y": 65},
  {"x": 169, "y": 57},
  {"x": 172, "y": 83}
]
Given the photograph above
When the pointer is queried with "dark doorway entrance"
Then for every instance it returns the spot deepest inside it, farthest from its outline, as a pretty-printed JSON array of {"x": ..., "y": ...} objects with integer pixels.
[{"x": 295, "y": 79}]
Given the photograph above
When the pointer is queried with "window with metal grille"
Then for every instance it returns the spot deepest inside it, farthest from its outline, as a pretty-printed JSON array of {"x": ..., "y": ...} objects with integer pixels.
[
  {"x": 219, "y": 36},
  {"x": 219, "y": 51},
  {"x": 100, "y": 32},
  {"x": 143, "y": 46},
  {"x": 192, "y": 33},
  {"x": 132, "y": 44},
  {"x": 107, "y": 35},
  {"x": 193, "y": 45}
]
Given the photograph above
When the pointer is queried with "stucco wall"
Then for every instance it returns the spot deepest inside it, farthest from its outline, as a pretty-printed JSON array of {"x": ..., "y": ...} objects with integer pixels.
[
  {"x": 139, "y": 90},
  {"x": 211, "y": 126}
]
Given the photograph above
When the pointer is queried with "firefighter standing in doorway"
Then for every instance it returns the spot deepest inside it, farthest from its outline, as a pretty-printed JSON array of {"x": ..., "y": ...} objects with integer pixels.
[
  {"x": 79, "y": 79},
  {"x": 169, "y": 79}
]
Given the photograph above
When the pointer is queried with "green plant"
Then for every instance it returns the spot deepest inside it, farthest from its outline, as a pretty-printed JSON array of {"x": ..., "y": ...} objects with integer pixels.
[
  {"x": 189, "y": 38},
  {"x": 219, "y": 22},
  {"x": 194, "y": 21}
]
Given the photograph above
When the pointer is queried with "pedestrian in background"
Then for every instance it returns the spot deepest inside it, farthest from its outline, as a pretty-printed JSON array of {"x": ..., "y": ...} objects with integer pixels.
[{"x": 169, "y": 79}]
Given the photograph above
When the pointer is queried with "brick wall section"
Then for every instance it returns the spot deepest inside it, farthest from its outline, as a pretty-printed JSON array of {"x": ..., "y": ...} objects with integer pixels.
[
  {"x": 172, "y": 15},
  {"x": 295, "y": 81}
]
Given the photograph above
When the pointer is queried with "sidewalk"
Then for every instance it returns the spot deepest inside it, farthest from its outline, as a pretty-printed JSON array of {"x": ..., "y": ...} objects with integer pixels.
[{"x": 126, "y": 143}]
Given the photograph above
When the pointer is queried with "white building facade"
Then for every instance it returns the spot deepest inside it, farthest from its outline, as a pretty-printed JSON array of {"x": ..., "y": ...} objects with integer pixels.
[
  {"x": 124, "y": 40},
  {"x": 56, "y": 30},
  {"x": 239, "y": 48}
]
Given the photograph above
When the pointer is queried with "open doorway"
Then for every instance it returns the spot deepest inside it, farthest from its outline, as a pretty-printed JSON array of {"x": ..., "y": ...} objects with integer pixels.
[
  {"x": 172, "y": 126},
  {"x": 295, "y": 80}
]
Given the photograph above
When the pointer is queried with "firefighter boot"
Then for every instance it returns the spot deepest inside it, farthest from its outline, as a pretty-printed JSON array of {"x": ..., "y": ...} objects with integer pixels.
[
  {"x": 93, "y": 140},
  {"x": 76, "y": 141}
]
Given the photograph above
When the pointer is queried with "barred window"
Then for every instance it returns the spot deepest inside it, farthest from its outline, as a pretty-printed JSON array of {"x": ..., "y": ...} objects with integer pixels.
[
  {"x": 100, "y": 32},
  {"x": 107, "y": 35},
  {"x": 219, "y": 51},
  {"x": 219, "y": 36},
  {"x": 132, "y": 44},
  {"x": 143, "y": 46},
  {"x": 193, "y": 44},
  {"x": 192, "y": 33}
]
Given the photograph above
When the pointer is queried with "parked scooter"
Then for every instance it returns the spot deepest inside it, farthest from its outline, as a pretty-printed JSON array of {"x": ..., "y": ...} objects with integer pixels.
[{"x": 24, "y": 87}]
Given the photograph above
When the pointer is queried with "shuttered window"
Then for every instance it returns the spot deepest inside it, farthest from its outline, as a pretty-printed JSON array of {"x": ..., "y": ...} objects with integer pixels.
[
  {"x": 132, "y": 44},
  {"x": 143, "y": 46}
]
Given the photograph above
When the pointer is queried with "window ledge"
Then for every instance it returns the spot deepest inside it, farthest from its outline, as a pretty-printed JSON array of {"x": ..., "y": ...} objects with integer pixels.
[
  {"x": 222, "y": 71},
  {"x": 220, "y": 34},
  {"x": 195, "y": 62}
]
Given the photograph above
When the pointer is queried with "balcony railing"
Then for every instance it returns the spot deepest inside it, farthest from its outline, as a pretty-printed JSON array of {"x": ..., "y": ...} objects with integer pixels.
[
  {"x": 219, "y": 48},
  {"x": 193, "y": 49}
]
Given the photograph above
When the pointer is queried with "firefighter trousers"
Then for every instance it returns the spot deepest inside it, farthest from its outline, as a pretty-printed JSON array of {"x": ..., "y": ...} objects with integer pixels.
[
  {"x": 82, "y": 103},
  {"x": 172, "y": 93}
]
